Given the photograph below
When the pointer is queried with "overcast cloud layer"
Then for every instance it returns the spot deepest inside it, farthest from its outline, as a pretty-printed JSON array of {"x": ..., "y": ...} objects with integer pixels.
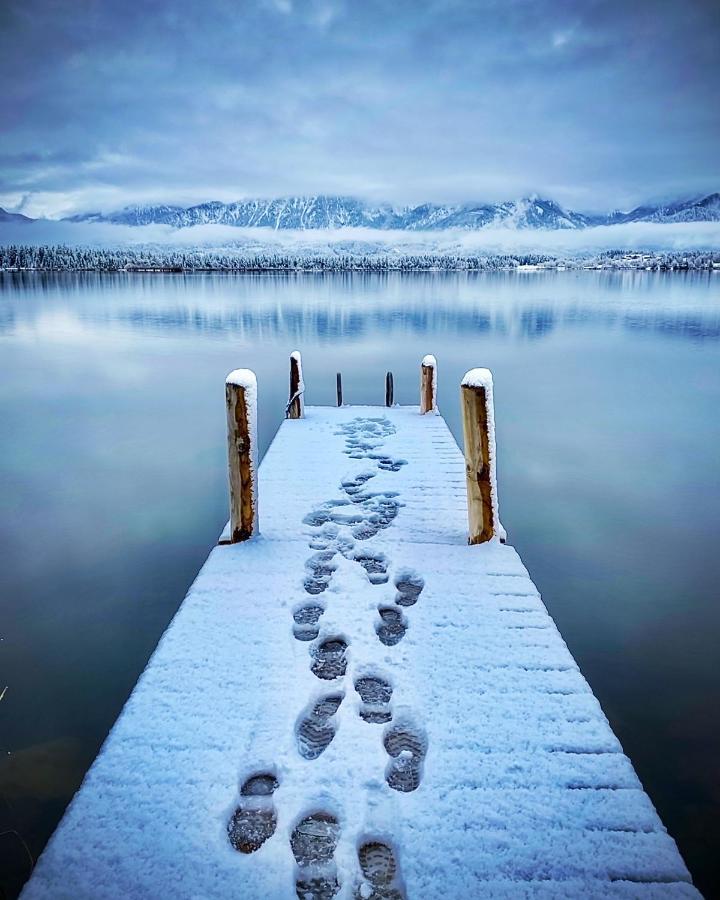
[{"x": 596, "y": 104}]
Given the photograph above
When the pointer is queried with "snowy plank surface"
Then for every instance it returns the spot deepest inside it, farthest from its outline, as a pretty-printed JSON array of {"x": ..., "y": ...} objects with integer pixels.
[
  {"x": 309, "y": 458},
  {"x": 511, "y": 781}
]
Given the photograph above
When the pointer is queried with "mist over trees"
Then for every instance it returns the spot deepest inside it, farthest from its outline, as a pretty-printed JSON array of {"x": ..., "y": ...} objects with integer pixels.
[{"x": 61, "y": 258}]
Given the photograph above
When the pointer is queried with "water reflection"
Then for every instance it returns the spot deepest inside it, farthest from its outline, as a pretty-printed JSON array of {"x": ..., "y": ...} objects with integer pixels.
[
  {"x": 326, "y": 308},
  {"x": 319, "y": 324}
]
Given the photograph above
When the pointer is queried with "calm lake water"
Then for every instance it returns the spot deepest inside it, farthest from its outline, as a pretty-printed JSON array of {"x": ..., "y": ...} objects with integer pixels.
[{"x": 113, "y": 487}]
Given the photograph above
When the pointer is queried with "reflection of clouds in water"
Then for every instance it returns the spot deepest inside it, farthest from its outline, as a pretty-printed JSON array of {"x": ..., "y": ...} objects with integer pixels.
[{"x": 8, "y": 319}]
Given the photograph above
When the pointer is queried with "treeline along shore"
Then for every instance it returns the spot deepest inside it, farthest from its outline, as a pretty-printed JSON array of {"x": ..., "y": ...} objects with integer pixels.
[{"x": 60, "y": 258}]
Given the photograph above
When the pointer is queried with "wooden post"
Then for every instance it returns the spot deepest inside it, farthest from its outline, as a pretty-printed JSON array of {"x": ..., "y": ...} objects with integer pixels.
[
  {"x": 389, "y": 389},
  {"x": 338, "y": 385},
  {"x": 428, "y": 385},
  {"x": 296, "y": 406},
  {"x": 479, "y": 433},
  {"x": 241, "y": 403}
]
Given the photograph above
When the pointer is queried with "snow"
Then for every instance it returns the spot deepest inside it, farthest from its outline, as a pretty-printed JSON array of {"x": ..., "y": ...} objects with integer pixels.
[
  {"x": 244, "y": 378},
  {"x": 523, "y": 788},
  {"x": 321, "y": 212},
  {"x": 479, "y": 378}
]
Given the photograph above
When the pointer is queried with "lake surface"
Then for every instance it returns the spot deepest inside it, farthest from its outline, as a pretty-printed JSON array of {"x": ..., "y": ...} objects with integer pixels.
[{"x": 113, "y": 487}]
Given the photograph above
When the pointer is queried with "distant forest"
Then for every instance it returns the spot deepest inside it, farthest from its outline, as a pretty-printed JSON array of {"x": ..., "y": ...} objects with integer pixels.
[{"x": 60, "y": 258}]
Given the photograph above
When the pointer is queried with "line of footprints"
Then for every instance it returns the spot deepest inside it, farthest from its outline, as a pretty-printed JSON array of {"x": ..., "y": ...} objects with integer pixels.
[{"x": 357, "y": 517}]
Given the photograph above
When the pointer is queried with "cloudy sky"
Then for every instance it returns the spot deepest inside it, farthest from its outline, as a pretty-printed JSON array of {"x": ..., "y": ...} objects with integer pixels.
[{"x": 597, "y": 104}]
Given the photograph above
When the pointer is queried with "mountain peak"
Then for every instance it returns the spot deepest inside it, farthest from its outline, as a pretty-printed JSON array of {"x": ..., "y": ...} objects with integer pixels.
[
  {"x": 330, "y": 212},
  {"x": 6, "y": 216}
]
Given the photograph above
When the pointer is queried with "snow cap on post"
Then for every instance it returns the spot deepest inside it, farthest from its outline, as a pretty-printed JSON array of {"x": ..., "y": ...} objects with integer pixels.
[
  {"x": 478, "y": 415},
  {"x": 296, "y": 406},
  {"x": 428, "y": 385},
  {"x": 478, "y": 378},
  {"x": 241, "y": 405},
  {"x": 244, "y": 378}
]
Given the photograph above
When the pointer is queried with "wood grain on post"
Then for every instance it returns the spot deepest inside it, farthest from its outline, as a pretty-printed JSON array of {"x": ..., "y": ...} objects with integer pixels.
[
  {"x": 428, "y": 385},
  {"x": 241, "y": 403},
  {"x": 338, "y": 385},
  {"x": 296, "y": 406},
  {"x": 479, "y": 434},
  {"x": 389, "y": 389}
]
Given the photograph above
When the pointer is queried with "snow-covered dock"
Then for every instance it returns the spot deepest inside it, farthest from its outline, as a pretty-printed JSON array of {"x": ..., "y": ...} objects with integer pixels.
[{"x": 357, "y": 703}]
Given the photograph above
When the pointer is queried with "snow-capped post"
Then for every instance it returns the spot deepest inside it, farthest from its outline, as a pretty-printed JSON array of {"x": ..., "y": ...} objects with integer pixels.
[
  {"x": 389, "y": 389},
  {"x": 428, "y": 385},
  {"x": 479, "y": 432},
  {"x": 338, "y": 385},
  {"x": 241, "y": 403},
  {"x": 296, "y": 406}
]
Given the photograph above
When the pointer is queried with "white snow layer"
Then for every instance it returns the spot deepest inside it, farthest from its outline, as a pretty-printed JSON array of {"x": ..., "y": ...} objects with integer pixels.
[
  {"x": 244, "y": 378},
  {"x": 478, "y": 378},
  {"x": 524, "y": 791}
]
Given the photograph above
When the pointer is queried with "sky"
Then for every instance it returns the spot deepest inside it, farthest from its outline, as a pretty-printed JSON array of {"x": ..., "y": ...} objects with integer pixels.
[{"x": 599, "y": 105}]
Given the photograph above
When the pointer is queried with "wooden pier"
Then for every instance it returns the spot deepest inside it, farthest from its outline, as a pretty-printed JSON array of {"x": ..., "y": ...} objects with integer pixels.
[{"x": 362, "y": 695}]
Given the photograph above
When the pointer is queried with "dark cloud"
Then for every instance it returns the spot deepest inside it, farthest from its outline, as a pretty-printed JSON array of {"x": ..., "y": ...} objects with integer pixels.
[{"x": 599, "y": 104}]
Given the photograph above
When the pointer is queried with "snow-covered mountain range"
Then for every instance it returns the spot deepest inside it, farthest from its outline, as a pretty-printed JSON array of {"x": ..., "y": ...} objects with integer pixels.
[
  {"x": 304, "y": 213},
  {"x": 17, "y": 218}
]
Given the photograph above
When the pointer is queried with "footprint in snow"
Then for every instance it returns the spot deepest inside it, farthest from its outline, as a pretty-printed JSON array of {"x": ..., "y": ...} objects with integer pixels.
[
  {"x": 375, "y": 694},
  {"x": 373, "y": 511},
  {"x": 409, "y": 586},
  {"x": 337, "y": 512},
  {"x": 321, "y": 568},
  {"x": 387, "y": 463},
  {"x": 363, "y": 435},
  {"x": 407, "y": 747},
  {"x": 328, "y": 533},
  {"x": 313, "y": 843},
  {"x": 363, "y": 531},
  {"x": 329, "y": 659},
  {"x": 354, "y": 486},
  {"x": 307, "y": 621},
  {"x": 392, "y": 625},
  {"x": 255, "y": 819},
  {"x": 380, "y": 511},
  {"x": 374, "y": 563},
  {"x": 379, "y": 868},
  {"x": 316, "y": 729}
]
